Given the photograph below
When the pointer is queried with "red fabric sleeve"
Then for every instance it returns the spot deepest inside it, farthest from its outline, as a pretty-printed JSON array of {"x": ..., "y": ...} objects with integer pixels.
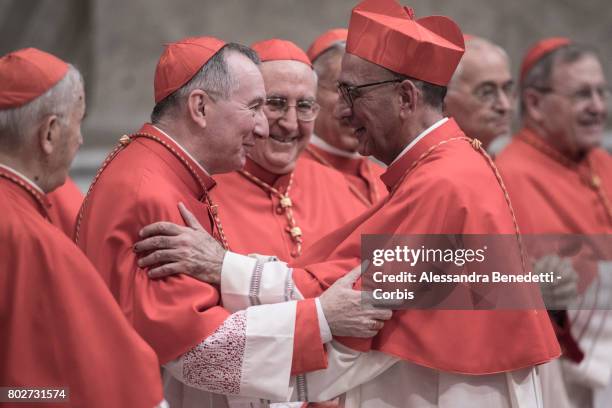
[{"x": 308, "y": 350}]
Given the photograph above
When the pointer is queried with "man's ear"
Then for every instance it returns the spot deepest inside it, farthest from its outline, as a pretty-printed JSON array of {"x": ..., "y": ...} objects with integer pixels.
[
  {"x": 409, "y": 95},
  {"x": 198, "y": 102},
  {"x": 532, "y": 102},
  {"x": 49, "y": 134}
]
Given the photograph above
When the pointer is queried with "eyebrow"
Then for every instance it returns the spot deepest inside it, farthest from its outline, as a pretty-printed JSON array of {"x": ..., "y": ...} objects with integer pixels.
[
  {"x": 256, "y": 101},
  {"x": 306, "y": 98},
  {"x": 491, "y": 83}
]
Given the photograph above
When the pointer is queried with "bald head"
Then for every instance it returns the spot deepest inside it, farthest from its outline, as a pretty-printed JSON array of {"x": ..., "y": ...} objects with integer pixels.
[
  {"x": 481, "y": 92},
  {"x": 291, "y": 109}
]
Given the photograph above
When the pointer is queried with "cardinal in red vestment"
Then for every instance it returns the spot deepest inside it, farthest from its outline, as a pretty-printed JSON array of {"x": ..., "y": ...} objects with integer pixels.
[
  {"x": 559, "y": 181},
  {"x": 61, "y": 328}
]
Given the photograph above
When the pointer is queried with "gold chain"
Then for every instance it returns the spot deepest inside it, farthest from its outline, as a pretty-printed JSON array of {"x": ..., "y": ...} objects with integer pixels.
[
  {"x": 123, "y": 142},
  {"x": 591, "y": 179},
  {"x": 476, "y": 145},
  {"x": 29, "y": 189},
  {"x": 286, "y": 205}
]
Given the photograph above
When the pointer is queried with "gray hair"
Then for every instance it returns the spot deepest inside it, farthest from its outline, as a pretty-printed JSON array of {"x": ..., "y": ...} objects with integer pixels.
[
  {"x": 539, "y": 76},
  {"x": 433, "y": 95},
  {"x": 16, "y": 123},
  {"x": 322, "y": 63},
  {"x": 214, "y": 78}
]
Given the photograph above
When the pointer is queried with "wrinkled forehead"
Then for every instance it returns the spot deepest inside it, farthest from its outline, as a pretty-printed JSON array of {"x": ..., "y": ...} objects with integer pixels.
[
  {"x": 585, "y": 71},
  {"x": 288, "y": 78},
  {"x": 356, "y": 70},
  {"x": 484, "y": 66}
]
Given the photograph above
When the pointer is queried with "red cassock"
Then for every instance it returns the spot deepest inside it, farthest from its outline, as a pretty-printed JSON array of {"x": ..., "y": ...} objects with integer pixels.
[
  {"x": 255, "y": 221},
  {"x": 362, "y": 173},
  {"x": 143, "y": 184},
  {"x": 553, "y": 195},
  {"x": 60, "y": 325},
  {"x": 65, "y": 204},
  {"x": 440, "y": 186}
]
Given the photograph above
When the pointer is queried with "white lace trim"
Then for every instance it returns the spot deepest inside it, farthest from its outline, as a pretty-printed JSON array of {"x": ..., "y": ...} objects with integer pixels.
[{"x": 215, "y": 365}]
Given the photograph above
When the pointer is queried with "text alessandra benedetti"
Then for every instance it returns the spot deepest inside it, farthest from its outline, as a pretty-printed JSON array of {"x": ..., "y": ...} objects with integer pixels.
[{"x": 493, "y": 277}]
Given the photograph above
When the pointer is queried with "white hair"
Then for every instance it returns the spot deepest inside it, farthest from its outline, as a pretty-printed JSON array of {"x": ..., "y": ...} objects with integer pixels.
[{"x": 16, "y": 123}]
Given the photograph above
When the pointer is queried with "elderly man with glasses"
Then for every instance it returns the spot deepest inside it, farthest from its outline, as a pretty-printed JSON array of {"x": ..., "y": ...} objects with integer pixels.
[
  {"x": 280, "y": 203},
  {"x": 481, "y": 95},
  {"x": 333, "y": 142},
  {"x": 560, "y": 182}
]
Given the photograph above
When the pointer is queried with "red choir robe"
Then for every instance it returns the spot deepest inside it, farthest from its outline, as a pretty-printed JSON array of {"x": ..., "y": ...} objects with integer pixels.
[
  {"x": 65, "y": 204},
  {"x": 549, "y": 196},
  {"x": 143, "y": 184},
  {"x": 361, "y": 172},
  {"x": 552, "y": 195},
  {"x": 254, "y": 221},
  {"x": 60, "y": 325},
  {"x": 453, "y": 190}
]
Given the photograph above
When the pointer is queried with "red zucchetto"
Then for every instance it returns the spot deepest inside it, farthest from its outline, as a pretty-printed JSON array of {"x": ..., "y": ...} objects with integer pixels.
[
  {"x": 325, "y": 40},
  {"x": 280, "y": 50},
  {"x": 180, "y": 61},
  {"x": 539, "y": 50},
  {"x": 27, "y": 74}
]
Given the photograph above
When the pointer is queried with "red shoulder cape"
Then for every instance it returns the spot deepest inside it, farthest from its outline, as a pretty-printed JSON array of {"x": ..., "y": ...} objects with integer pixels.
[{"x": 452, "y": 191}]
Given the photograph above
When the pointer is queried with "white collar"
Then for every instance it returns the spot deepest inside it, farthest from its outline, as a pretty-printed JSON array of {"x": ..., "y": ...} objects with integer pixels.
[
  {"x": 323, "y": 145},
  {"x": 419, "y": 137},
  {"x": 183, "y": 149},
  {"x": 12, "y": 170}
]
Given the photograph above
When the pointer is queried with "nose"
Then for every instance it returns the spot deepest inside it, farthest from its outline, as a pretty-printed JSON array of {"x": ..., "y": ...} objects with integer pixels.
[
  {"x": 342, "y": 109},
  {"x": 289, "y": 121},
  {"x": 503, "y": 102},
  {"x": 261, "y": 130},
  {"x": 598, "y": 103}
]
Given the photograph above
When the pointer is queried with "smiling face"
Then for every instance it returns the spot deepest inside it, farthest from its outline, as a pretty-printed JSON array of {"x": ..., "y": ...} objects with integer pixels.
[
  {"x": 573, "y": 111},
  {"x": 334, "y": 131},
  {"x": 375, "y": 110},
  {"x": 236, "y": 122},
  {"x": 294, "y": 82}
]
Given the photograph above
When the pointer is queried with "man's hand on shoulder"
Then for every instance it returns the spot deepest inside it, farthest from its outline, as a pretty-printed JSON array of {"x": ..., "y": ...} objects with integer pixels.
[{"x": 168, "y": 249}]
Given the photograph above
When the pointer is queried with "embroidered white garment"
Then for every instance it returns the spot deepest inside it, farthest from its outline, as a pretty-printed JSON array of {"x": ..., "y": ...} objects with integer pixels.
[
  {"x": 214, "y": 365},
  {"x": 249, "y": 356}
]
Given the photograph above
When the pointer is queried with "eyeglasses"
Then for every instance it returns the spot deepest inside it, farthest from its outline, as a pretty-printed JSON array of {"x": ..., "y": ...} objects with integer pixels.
[
  {"x": 583, "y": 95},
  {"x": 490, "y": 93},
  {"x": 351, "y": 92},
  {"x": 277, "y": 107}
]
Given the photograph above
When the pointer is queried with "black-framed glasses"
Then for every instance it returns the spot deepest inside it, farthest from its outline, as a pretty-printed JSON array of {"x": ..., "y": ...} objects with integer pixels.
[
  {"x": 351, "y": 92},
  {"x": 582, "y": 95},
  {"x": 276, "y": 107}
]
